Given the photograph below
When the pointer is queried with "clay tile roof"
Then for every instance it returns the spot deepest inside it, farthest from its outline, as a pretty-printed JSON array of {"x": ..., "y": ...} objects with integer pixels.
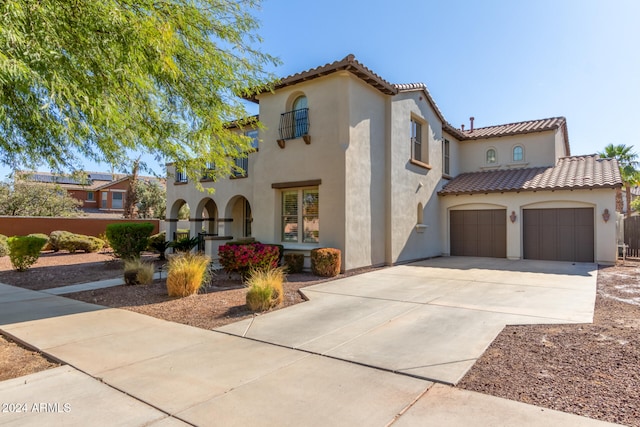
[
  {"x": 529, "y": 126},
  {"x": 348, "y": 63},
  {"x": 570, "y": 173}
]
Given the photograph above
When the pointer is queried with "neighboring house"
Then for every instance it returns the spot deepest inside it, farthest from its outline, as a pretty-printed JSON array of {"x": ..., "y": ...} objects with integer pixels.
[
  {"x": 351, "y": 161},
  {"x": 99, "y": 193}
]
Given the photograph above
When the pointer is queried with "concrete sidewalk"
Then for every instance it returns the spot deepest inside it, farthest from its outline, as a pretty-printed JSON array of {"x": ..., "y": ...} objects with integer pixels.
[{"x": 130, "y": 369}]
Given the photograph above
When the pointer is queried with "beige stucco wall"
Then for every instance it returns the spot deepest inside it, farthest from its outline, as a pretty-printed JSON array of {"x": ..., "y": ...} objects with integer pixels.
[
  {"x": 560, "y": 148},
  {"x": 605, "y": 232},
  {"x": 365, "y": 197},
  {"x": 539, "y": 150},
  {"x": 413, "y": 185}
]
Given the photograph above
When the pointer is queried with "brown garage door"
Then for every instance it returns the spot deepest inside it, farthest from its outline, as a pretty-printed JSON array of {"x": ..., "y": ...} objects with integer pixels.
[
  {"x": 558, "y": 234},
  {"x": 479, "y": 233}
]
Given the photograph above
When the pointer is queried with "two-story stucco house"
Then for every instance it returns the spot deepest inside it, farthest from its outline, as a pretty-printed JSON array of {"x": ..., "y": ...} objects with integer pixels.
[{"x": 351, "y": 161}]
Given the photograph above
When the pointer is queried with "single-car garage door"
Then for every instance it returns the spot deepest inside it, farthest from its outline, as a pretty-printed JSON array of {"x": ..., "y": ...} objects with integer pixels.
[
  {"x": 558, "y": 234},
  {"x": 479, "y": 233}
]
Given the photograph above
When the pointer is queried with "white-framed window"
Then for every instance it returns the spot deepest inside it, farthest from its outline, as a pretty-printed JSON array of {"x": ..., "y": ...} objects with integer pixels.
[
  {"x": 104, "y": 199},
  {"x": 117, "y": 200},
  {"x": 300, "y": 215},
  {"x": 491, "y": 156},
  {"x": 416, "y": 140},
  {"x": 90, "y": 196},
  {"x": 445, "y": 157},
  {"x": 518, "y": 153}
]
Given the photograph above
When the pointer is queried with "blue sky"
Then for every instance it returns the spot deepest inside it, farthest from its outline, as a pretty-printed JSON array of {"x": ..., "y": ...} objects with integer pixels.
[{"x": 499, "y": 61}]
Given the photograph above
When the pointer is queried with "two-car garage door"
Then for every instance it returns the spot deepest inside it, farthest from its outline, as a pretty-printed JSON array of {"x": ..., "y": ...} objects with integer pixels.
[{"x": 563, "y": 234}]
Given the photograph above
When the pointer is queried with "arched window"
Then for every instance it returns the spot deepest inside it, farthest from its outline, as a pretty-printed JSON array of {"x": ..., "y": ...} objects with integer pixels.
[
  {"x": 518, "y": 153},
  {"x": 492, "y": 158},
  {"x": 300, "y": 116}
]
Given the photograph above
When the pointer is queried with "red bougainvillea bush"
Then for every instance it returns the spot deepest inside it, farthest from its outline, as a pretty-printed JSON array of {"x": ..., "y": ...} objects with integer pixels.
[{"x": 242, "y": 258}]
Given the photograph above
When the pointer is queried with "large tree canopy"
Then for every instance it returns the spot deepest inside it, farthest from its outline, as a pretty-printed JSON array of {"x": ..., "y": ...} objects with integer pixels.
[{"x": 101, "y": 78}]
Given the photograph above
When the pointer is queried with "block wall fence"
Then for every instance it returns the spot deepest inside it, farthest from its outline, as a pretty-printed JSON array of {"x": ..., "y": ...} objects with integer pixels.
[{"x": 21, "y": 226}]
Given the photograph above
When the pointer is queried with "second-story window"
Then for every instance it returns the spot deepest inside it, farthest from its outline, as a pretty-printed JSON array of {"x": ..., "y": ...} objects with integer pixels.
[
  {"x": 492, "y": 158},
  {"x": 295, "y": 123},
  {"x": 518, "y": 154},
  {"x": 416, "y": 140},
  {"x": 445, "y": 157},
  {"x": 181, "y": 176},
  {"x": 253, "y": 134}
]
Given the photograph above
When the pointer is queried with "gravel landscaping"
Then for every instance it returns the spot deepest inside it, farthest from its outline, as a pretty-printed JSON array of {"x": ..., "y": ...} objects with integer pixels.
[{"x": 591, "y": 370}]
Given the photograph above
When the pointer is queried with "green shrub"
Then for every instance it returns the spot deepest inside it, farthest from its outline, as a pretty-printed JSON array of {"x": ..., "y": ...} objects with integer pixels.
[
  {"x": 66, "y": 241},
  {"x": 158, "y": 243},
  {"x": 137, "y": 272},
  {"x": 294, "y": 262},
  {"x": 47, "y": 246},
  {"x": 129, "y": 239},
  {"x": 24, "y": 251},
  {"x": 266, "y": 289},
  {"x": 4, "y": 249},
  {"x": 325, "y": 262},
  {"x": 187, "y": 272},
  {"x": 56, "y": 238}
]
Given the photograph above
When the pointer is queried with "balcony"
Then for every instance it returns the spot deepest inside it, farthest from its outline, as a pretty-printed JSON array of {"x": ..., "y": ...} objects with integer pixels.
[{"x": 294, "y": 124}]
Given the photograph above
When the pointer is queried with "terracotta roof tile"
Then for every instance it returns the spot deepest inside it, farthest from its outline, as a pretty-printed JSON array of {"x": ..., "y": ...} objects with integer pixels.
[
  {"x": 570, "y": 173},
  {"x": 529, "y": 126}
]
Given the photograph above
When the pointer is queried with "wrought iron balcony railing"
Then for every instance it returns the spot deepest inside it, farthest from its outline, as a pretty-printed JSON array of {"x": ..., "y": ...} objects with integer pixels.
[{"x": 294, "y": 124}]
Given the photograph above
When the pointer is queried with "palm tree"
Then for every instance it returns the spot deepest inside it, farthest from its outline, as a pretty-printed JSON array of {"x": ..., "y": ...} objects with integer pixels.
[{"x": 628, "y": 164}]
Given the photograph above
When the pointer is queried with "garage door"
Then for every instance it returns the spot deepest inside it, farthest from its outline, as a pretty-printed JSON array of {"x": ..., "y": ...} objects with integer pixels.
[
  {"x": 479, "y": 233},
  {"x": 558, "y": 234}
]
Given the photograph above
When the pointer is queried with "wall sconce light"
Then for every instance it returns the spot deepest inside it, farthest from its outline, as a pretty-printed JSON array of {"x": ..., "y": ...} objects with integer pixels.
[
  {"x": 306, "y": 139},
  {"x": 281, "y": 143},
  {"x": 605, "y": 215},
  {"x": 513, "y": 216}
]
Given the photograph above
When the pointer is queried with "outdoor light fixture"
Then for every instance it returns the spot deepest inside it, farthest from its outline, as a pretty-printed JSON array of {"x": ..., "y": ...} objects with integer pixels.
[
  {"x": 281, "y": 143},
  {"x": 605, "y": 215},
  {"x": 513, "y": 216}
]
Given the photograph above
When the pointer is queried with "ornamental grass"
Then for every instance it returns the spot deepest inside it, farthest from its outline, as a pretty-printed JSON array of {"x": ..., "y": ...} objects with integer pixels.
[
  {"x": 266, "y": 289},
  {"x": 187, "y": 272},
  {"x": 137, "y": 272}
]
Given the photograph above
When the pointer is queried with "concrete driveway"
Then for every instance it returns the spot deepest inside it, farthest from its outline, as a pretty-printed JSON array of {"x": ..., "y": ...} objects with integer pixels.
[
  {"x": 428, "y": 320},
  {"x": 431, "y": 319}
]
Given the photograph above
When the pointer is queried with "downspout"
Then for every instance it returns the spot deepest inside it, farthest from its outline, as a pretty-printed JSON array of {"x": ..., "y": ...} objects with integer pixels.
[{"x": 388, "y": 165}]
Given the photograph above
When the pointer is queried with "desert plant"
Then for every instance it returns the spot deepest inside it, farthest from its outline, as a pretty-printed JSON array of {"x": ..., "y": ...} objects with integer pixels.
[
  {"x": 294, "y": 262},
  {"x": 138, "y": 272},
  {"x": 66, "y": 241},
  {"x": 265, "y": 288},
  {"x": 242, "y": 258},
  {"x": 56, "y": 238},
  {"x": 158, "y": 243},
  {"x": 24, "y": 251},
  {"x": 185, "y": 244},
  {"x": 187, "y": 272},
  {"x": 325, "y": 262},
  {"x": 129, "y": 239},
  {"x": 4, "y": 249}
]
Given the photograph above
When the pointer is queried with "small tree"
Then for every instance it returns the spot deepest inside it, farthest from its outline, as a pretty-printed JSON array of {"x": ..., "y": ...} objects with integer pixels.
[
  {"x": 129, "y": 239},
  {"x": 628, "y": 164},
  {"x": 36, "y": 199},
  {"x": 152, "y": 201},
  {"x": 131, "y": 199}
]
